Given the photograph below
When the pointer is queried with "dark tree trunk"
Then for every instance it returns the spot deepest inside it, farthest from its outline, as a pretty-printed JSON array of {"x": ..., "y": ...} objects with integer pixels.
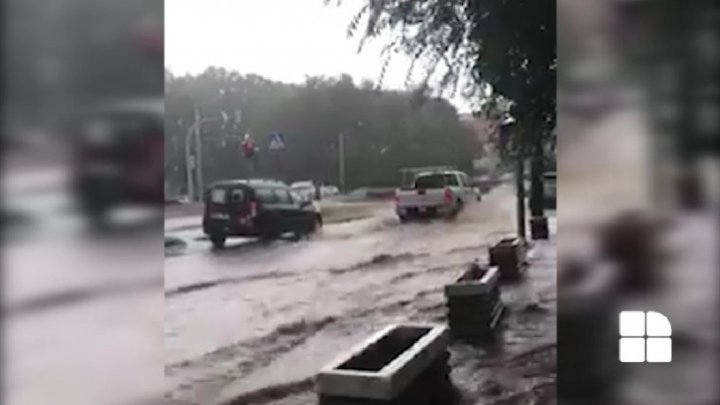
[
  {"x": 537, "y": 168},
  {"x": 520, "y": 180}
]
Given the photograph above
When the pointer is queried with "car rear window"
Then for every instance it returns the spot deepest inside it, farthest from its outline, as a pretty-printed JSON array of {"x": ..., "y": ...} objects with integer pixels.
[
  {"x": 436, "y": 181},
  {"x": 217, "y": 196},
  {"x": 237, "y": 195},
  {"x": 283, "y": 196},
  {"x": 297, "y": 197},
  {"x": 265, "y": 195}
]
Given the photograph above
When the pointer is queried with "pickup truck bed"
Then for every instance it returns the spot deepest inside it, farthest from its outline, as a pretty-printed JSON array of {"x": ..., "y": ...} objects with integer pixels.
[
  {"x": 434, "y": 193},
  {"x": 415, "y": 203}
]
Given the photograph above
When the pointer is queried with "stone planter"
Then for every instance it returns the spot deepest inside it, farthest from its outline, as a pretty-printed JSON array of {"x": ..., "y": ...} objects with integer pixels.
[
  {"x": 400, "y": 365},
  {"x": 474, "y": 304},
  {"x": 587, "y": 331},
  {"x": 510, "y": 256}
]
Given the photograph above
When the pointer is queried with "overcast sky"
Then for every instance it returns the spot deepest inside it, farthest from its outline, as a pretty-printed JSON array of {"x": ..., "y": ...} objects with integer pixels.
[{"x": 283, "y": 40}]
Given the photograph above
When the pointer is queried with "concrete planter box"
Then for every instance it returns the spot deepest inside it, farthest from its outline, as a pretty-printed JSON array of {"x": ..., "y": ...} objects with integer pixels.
[
  {"x": 474, "y": 304},
  {"x": 402, "y": 364},
  {"x": 481, "y": 325},
  {"x": 509, "y": 255},
  {"x": 587, "y": 330},
  {"x": 477, "y": 281}
]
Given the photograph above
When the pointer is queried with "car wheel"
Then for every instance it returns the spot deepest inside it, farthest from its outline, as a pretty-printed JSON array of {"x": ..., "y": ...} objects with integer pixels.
[
  {"x": 217, "y": 241},
  {"x": 268, "y": 237},
  {"x": 98, "y": 219},
  {"x": 456, "y": 211},
  {"x": 298, "y": 235},
  {"x": 97, "y": 214},
  {"x": 309, "y": 229}
]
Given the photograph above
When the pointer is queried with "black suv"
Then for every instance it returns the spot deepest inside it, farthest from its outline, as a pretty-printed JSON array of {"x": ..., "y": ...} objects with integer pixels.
[{"x": 256, "y": 208}]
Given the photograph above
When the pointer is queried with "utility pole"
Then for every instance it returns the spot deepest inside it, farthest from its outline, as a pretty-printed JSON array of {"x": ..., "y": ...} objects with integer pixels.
[
  {"x": 189, "y": 163},
  {"x": 510, "y": 129},
  {"x": 198, "y": 156},
  {"x": 520, "y": 184},
  {"x": 341, "y": 159},
  {"x": 196, "y": 161}
]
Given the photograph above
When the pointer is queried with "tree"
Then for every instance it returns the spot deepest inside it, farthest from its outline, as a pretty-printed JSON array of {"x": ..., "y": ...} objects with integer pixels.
[
  {"x": 384, "y": 130},
  {"x": 508, "y": 46}
]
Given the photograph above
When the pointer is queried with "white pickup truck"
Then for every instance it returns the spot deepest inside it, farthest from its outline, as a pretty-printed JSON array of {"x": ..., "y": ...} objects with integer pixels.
[{"x": 442, "y": 193}]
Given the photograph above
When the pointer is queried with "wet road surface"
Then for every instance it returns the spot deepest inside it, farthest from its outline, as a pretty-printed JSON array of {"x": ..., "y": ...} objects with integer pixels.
[{"x": 257, "y": 321}]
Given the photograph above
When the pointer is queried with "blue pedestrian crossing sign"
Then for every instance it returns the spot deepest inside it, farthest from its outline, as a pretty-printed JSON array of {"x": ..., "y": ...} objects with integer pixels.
[{"x": 277, "y": 141}]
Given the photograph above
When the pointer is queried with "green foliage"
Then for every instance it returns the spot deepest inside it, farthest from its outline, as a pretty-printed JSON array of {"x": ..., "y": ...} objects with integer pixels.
[
  {"x": 509, "y": 45},
  {"x": 385, "y": 130}
]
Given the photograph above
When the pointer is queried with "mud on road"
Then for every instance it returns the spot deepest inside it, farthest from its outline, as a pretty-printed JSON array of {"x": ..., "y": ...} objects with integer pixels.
[{"x": 257, "y": 321}]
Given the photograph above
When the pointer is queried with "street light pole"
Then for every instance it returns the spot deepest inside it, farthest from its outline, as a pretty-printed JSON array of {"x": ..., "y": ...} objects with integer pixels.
[
  {"x": 341, "y": 154},
  {"x": 520, "y": 184},
  {"x": 198, "y": 156},
  {"x": 511, "y": 130},
  {"x": 197, "y": 163},
  {"x": 341, "y": 158},
  {"x": 189, "y": 164}
]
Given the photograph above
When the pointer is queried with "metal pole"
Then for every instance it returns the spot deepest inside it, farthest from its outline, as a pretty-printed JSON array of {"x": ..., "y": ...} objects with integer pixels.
[
  {"x": 520, "y": 182},
  {"x": 198, "y": 156},
  {"x": 341, "y": 152},
  {"x": 189, "y": 164},
  {"x": 520, "y": 178}
]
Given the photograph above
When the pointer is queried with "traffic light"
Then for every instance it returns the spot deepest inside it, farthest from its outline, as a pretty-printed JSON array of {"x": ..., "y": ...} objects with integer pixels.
[{"x": 248, "y": 146}]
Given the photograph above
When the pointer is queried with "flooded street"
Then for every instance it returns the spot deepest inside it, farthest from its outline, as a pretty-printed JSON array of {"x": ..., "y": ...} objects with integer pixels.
[{"x": 257, "y": 321}]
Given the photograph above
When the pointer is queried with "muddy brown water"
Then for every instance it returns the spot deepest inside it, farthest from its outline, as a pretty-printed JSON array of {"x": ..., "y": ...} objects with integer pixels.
[{"x": 258, "y": 323}]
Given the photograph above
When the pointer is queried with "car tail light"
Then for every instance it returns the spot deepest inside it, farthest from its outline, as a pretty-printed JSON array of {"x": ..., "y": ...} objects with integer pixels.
[
  {"x": 448, "y": 196},
  {"x": 253, "y": 209},
  {"x": 396, "y": 197}
]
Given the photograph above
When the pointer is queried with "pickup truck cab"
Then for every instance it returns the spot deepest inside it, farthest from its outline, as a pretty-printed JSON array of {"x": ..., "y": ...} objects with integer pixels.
[{"x": 442, "y": 193}]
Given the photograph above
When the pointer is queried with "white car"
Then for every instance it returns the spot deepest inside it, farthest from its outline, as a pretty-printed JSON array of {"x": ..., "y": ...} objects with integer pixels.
[
  {"x": 435, "y": 193},
  {"x": 329, "y": 191},
  {"x": 305, "y": 189}
]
